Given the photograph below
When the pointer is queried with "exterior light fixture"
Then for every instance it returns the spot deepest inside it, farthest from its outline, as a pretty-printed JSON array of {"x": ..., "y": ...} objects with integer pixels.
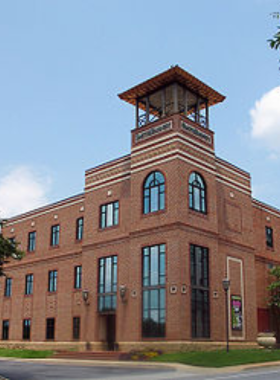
[
  {"x": 123, "y": 290},
  {"x": 226, "y": 286},
  {"x": 85, "y": 294}
]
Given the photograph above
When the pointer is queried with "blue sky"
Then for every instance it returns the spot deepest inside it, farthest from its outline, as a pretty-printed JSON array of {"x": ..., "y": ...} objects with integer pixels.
[{"x": 63, "y": 62}]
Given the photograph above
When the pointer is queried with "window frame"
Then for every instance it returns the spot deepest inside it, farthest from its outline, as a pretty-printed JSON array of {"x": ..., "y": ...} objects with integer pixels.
[
  {"x": 52, "y": 281},
  {"x": 48, "y": 327},
  {"x": 157, "y": 288},
  {"x": 78, "y": 273},
  {"x": 29, "y": 283},
  {"x": 79, "y": 228},
  {"x": 107, "y": 290},
  {"x": 31, "y": 244},
  {"x": 76, "y": 328},
  {"x": 148, "y": 195},
  {"x": 55, "y": 235},
  {"x": 202, "y": 193},
  {"x": 114, "y": 215},
  {"x": 8, "y": 287},
  {"x": 202, "y": 289},
  {"x": 5, "y": 329},
  {"x": 26, "y": 329},
  {"x": 269, "y": 237}
]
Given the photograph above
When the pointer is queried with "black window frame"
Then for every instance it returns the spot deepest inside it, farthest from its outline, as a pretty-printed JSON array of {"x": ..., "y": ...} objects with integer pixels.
[
  {"x": 50, "y": 329},
  {"x": 197, "y": 185},
  {"x": 79, "y": 228},
  {"x": 107, "y": 287},
  {"x": 29, "y": 281},
  {"x": 5, "y": 329},
  {"x": 31, "y": 245},
  {"x": 154, "y": 291},
  {"x": 8, "y": 287},
  {"x": 26, "y": 329},
  {"x": 76, "y": 328},
  {"x": 78, "y": 277},
  {"x": 109, "y": 212},
  {"x": 269, "y": 236},
  {"x": 52, "y": 281},
  {"x": 154, "y": 192},
  {"x": 200, "y": 291},
  {"x": 55, "y": 235}
]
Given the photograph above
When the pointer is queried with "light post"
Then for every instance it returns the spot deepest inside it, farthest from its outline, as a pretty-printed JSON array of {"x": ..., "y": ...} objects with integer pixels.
[
  {"x": 226, "y": 285},
  {"x": 85, "y": 295}
]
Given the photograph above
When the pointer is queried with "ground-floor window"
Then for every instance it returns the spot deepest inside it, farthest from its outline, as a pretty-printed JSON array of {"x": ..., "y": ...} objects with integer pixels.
[
  {"x": 153, "y": 281},
  {"x": 5, "y": 330},
  {"x": 26, "y": 329},
  {"x": 50, "y": 329},
  {"x": 199, "y": 262},
  {"x": 107, "y": 284},
  {"x": 76, "y": 328}
]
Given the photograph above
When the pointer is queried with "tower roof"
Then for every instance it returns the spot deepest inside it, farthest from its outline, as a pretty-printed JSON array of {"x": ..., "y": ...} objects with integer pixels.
[{"x": 174, "y": 74}]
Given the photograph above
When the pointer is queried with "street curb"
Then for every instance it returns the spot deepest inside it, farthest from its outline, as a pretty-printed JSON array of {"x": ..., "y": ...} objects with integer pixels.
[{"x": 176, "y": 366}]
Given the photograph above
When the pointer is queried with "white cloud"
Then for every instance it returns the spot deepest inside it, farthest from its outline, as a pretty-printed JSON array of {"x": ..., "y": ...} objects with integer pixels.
[
  {"x": 22, "y": 190},
  {"x": 265, "y": 120}
]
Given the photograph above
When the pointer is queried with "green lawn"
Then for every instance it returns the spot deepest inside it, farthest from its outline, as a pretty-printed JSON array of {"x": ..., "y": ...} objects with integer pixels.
[
  {"x": 220, "y": 358},
  {"x": 25, "y": 354}
]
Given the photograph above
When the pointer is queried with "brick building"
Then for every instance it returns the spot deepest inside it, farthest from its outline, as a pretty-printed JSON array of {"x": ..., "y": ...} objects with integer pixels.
[{"x": 139, "y": 257}]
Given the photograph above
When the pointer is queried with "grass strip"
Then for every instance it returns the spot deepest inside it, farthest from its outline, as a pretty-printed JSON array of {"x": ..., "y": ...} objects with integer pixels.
[
  {"x": 219, "y": 358},
  {"x": 24, "y": 354}
]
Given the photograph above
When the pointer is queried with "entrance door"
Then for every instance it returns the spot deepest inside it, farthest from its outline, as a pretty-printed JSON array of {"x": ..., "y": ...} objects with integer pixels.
[{"x": 111, "y": 332}]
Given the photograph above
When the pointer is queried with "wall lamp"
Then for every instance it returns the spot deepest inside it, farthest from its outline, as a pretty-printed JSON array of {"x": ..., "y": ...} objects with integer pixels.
[
  {"x": 85, "y": 294},
  {"x": 123, "y": 290}
]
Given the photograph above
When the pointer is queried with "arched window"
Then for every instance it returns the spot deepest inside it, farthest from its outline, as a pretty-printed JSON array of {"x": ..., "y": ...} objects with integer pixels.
[
  {"x": 197, "y": 193},
  {"x": 154, "y": 193}
]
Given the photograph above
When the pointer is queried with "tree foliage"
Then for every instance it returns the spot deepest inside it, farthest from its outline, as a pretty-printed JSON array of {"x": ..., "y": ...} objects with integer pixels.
[
  {"x": 8, "y": 250},
  {"x": 274, "y": 287},
  {"x": 275, "y": 41}
]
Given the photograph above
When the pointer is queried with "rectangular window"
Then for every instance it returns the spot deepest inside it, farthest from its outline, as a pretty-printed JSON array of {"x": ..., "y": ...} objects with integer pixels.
[
  {"x": 31, "y": 241},
  {"x": 8, "y": 287},
  {"x": 153, "y": 282},
  {"x": 107, "y": 284},
  {"x": 200, "y": 292},
  {"x": 269, "y": 236},
  {"x": 5, "y": 330},
  {"x": 26, "y": 329},
  {"x": 29, "y": 284},
  {"x": 52, "y": 281},
  {"x": 78, "y": 277},
  {"x": 50, "y": 328},
  {"x": 55, "y": 235},
  {"x": 79, "y": 228},
  {"x": 109, "y": 215},
  {"x": 76, "y": 328}
]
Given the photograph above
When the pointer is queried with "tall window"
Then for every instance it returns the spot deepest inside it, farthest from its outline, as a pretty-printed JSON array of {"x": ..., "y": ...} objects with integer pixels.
[
  {"x": 26, "y": 329},
  {"x": 50, "y": 328},
  {"x": 52, "y": 281},
  {"x": 8, "y": 287},
  {"x": 107, "y": 287},
  {"x": 197, "y": 193},
  {"x": 109, "y": 215},
  {"x": 29, "y": 284},
  {"x": 200, "y": 292},
  {"x": 153, "y": 278},
  {"x": 269, "y": 236},
  {"x": 31, "y": 241},
  {"x": 78, "y": 277},
  {"x": 55, "y": 235},
  {"x": 79, "y": 228},
  {"x": 76, "y": 328},
  {"x": 5, "y": 330},
  {"x": 154, "y": 193}
]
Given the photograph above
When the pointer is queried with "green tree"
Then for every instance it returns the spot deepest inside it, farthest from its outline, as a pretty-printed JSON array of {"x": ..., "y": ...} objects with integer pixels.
[
  {"x": 8, "y": 250},
  {"x": 274, "y": 299},
  {"x": 275, "y": 41}
]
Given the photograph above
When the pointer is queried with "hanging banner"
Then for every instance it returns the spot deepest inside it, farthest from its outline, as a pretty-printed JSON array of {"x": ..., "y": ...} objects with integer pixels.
[{"x": 236, "y": 313}]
